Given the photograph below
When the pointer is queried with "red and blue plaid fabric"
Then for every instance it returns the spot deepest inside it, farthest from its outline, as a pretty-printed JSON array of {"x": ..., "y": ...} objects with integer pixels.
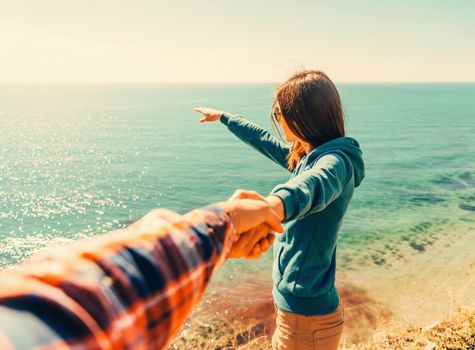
[{"x": 128, "y": 289}]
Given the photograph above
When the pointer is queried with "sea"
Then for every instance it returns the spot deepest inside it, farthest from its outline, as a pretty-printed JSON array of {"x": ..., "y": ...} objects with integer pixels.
[{"x": 78, "y": 160}]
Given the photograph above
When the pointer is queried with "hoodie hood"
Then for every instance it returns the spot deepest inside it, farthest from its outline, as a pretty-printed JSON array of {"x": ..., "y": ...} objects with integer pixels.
[{"x": 347, "y": 145}]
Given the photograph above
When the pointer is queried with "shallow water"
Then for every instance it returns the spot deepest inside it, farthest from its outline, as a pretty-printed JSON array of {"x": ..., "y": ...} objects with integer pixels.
[{"x": 77, "y": 160}]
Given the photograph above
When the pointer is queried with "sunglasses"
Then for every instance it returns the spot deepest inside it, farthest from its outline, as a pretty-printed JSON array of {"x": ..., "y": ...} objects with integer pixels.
[{"x": 277, "y": 115}]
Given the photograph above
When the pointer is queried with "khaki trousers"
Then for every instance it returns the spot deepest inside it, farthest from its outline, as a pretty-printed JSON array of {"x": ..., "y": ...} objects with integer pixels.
[{"x": 300, "y": 332}]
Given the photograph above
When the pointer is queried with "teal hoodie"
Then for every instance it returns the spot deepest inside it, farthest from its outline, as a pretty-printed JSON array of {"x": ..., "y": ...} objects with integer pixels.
[{"x": 315, "y": 199}]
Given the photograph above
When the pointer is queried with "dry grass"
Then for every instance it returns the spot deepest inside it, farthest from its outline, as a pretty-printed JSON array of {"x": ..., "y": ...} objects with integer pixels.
[
  {"x": 219, "y": 334},
  {"x": 457, "y": 332},
  {"x": 249, "y": 325}
]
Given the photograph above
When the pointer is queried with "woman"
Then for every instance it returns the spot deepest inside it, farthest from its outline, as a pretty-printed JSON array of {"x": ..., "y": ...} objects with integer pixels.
[{"x": 325, "y": 168}]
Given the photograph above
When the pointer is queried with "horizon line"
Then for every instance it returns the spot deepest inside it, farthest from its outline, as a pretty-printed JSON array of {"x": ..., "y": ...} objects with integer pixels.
[{"x": 39, "y": 82}]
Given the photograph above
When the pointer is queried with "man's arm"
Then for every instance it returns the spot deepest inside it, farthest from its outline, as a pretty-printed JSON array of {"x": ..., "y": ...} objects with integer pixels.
[
  {"x": 125, "y": 290},
  {"x": 131, "y": 288}
]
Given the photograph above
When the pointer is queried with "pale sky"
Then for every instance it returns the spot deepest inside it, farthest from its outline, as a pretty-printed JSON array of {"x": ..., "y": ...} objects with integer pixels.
[{"x": 158, "y": 41}]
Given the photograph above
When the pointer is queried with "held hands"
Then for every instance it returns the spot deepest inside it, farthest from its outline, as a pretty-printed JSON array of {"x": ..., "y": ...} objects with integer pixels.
[
  {"x": 255, "y": 223},
  {"x": 209, "y": 114}
]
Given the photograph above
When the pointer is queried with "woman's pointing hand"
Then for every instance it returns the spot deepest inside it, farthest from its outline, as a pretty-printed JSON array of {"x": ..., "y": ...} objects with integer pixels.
[{"x": 209, "y": 114}]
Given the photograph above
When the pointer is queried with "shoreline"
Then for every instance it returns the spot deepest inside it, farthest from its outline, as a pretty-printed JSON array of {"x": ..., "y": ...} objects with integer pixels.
[
  {"x": 423, "y": 286},
  {"x": 420, "y": 289}
]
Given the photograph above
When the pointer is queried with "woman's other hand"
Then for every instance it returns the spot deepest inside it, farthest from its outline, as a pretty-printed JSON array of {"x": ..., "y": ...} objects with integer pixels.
[
  {"x": 253, "y": 243},
  {"x": 261, "y": 247},
  {"x": 209, "y": 114}
]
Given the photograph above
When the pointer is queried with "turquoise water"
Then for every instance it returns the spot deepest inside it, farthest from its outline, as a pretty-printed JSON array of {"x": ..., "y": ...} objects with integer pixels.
[{"x": 77, "y": 160}]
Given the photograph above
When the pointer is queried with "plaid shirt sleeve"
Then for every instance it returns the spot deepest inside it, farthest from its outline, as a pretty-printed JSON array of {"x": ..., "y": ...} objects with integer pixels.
[{"x": 128, "y": 289}]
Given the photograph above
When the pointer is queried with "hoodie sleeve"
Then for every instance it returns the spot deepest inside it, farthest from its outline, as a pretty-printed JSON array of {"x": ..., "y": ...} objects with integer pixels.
[
  {"x": 314, "y": 189},
  {"x": 257, "y": 137}
]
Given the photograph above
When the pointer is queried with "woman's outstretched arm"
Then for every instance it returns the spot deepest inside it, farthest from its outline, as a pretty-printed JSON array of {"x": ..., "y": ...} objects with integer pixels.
[
  {"x": 310, "y": 191},
  {"x": 250, "y": 133}
]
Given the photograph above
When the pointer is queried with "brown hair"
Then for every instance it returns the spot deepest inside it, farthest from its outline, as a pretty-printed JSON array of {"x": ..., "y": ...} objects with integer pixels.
[{"x": 310, "y": 104}]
